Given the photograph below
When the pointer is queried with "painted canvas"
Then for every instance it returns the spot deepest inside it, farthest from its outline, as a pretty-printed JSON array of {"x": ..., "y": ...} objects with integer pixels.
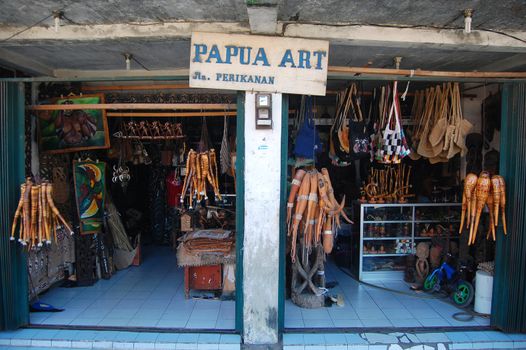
[
  {"x": 73, "y": 130},
  {"x": 89, "y": 179}
]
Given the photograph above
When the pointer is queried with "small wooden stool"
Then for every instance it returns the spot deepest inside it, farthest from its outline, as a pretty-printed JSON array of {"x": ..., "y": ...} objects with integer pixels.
[{"x": 208, "y": 277}]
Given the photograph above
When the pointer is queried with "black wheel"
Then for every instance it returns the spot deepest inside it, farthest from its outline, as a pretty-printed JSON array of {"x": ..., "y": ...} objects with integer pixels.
[
  {"x": 430, "y": 282},
  {"x": 464, "y": 294}
]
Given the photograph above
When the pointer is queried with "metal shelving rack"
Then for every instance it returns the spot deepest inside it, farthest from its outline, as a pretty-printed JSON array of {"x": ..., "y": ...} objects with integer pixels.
[{"x": 358, "y": 242}]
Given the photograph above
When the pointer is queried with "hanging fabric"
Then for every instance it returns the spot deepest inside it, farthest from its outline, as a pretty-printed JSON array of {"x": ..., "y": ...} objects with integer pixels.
[
  {"x": 307, "y": 140},
  {"x": 425, "y": 149},
  {"x": 462, "y": 127},
  {"x": 204, "y": 141},
  {"x": 174, "y": 187},
  {"x": 358, "y": 138},
  {"x": 224, "y": 153},
  {"x": 450, "y": 148},
  {"x": 438, "y": 132},
  {"x": 340, "y": 151},
  {"x": 418, "y": 114},
  {"x": 376, "y": 137}
]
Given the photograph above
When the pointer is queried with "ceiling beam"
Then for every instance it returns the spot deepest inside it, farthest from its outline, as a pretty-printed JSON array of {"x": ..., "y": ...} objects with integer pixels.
[
  {"x": 24, "y": 63},
  {"x": 508, "y": 63},
  {"x": 80, "y": 33},
  {"x": 445, "y": 39},
  {"x": 353, "y": 35}
]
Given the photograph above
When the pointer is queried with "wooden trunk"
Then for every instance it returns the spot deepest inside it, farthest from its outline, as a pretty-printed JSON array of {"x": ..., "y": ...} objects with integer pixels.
[{"x": 306, "y": 282}]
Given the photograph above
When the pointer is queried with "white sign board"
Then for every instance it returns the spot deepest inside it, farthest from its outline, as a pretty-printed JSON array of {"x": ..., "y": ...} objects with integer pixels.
[{"x": 259, "y": 63}]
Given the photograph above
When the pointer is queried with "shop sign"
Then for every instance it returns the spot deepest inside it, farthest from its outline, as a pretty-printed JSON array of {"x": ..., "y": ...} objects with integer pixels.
[{"x": 258, "y": 63}]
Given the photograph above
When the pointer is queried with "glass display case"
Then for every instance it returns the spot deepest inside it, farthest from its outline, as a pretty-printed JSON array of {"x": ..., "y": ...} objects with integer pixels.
[{"x": 390, "y": 232}]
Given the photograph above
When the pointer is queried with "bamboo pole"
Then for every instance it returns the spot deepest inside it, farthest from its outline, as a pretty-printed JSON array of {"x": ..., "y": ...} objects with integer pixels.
[
  {"x": 427, "y": 73},
  {"x": 135, "y": 87},
  {"x": 118, "y": 106},
  {"x": 170, "y": 115}
]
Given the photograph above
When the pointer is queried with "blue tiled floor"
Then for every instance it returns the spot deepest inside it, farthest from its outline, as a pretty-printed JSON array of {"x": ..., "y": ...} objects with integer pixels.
[
  {"x": 371, "y": 307},
  {"x": 151, "y": 295},
  {"x": 37, "y": 340},
  {"x": 400, "y": 340}
]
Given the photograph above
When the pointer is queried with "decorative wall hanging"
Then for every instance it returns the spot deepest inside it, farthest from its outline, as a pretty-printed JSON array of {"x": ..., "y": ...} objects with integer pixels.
[
  {"x": 170, "y": 98},
  {"x": 392, "y": 145},
  {"x": 480, "y": 191},
  {"x": 39, "y": 217},
  {"x": 89, "y": 179},
  {"x": 63, "y": 131},
  {"x": 201, "y": 168},
  {"x": 155, "y": 130}
]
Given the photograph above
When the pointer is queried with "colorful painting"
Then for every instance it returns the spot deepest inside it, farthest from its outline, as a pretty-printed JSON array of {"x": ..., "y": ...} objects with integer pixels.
[
  {"x": 73, "y": 130},
  {"x": 89, "y": 179}
]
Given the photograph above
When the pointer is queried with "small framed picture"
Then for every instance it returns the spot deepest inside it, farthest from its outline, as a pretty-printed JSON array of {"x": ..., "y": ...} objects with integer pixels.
[{"x": 71, "y": 130}]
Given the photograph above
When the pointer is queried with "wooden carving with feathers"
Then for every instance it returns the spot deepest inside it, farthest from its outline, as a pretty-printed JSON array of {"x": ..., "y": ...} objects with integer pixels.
[
  {"x": 38, "y": 215},
  {"x": 481, "y": 191},
  {"x": 316, "y": 211}
]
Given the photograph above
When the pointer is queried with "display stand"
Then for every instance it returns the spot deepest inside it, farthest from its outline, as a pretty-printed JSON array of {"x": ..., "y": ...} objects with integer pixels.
[{"x": 393, "y": 231}]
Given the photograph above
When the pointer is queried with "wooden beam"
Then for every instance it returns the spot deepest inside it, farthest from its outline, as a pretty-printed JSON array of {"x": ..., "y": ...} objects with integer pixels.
[
  {"x": 135, "y": 87},
  {"x": 169, "y": 115},
  {"x": 119, "y": 106}
]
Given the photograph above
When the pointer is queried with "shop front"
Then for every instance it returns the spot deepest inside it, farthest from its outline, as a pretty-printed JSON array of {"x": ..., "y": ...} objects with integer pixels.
[
  {"x": 263, "y": 192},
  {"x": 407, "y": 251},
  {"x": 112, "y": 239}
]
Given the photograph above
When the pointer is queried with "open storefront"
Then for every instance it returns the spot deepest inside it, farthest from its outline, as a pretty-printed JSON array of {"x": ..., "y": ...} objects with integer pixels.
[
  {"x": 394, "y": 206},
  {"x": 133, "y": 208}
]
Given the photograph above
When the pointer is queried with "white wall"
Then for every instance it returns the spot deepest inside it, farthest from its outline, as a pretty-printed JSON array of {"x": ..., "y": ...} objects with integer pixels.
[
  {"x": 472, "y": 111},
  {"x": 261, "y": 237},
  {"x": 471, "y": 108}
]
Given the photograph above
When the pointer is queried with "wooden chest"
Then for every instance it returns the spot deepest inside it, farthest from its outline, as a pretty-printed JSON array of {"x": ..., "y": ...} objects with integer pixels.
[{"x": 202, "y": 278}]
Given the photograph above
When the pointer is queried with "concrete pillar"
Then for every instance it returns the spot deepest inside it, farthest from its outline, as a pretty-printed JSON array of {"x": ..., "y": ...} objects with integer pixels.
[{"x": 261, "y": 237}]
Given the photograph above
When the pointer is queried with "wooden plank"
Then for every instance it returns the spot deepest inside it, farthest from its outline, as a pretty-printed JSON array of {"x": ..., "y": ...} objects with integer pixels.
[
  {"x": 170, "y": 115},
  {"x": 118, "y": 106},
  {"x": 135, "y": 87}
]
